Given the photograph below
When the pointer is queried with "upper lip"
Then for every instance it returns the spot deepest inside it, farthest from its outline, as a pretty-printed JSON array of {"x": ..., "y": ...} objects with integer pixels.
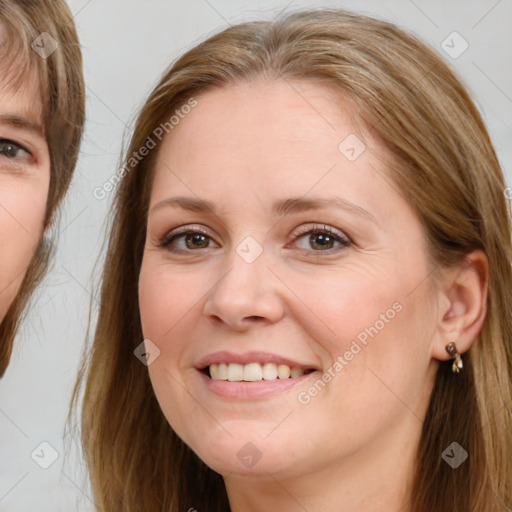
[{"x": 251, "y": 357}]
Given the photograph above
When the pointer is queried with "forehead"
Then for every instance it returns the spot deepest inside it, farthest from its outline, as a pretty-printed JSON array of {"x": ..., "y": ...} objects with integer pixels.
[
  {"x": 248, "y": 148},
  {"x": 277, "y": 132},
  {"x": 22, "y": 107},
  {"x": 23, "y": 102},
  {"x": 300, "y": 107},
  {"x": 279, "y": 116}
]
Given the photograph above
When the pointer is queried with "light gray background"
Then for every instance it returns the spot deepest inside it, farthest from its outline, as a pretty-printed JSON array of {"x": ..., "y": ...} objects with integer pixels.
[{"x": 126, "y": 47}]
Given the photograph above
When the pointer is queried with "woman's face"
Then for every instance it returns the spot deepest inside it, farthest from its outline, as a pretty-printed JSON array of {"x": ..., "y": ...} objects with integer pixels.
[
  {"x": 24, "y": 184},
  {"x": 277, "y": 244}
]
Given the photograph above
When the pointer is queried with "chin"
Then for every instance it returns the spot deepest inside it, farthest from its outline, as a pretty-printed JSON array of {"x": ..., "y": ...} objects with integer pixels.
[{"x": 246, "y": 454}]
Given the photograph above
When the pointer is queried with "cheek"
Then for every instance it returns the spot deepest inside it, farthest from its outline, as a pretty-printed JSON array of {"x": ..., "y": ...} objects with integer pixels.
[
  {"x": 377, "y": 348},
  {"x": 348, "y": 304},
  {"x": 22, "y": 211},
  {"x": 167, "y": 298},
  {"x": 370, "y": 325},
  {"x": 166, "y": 301}
]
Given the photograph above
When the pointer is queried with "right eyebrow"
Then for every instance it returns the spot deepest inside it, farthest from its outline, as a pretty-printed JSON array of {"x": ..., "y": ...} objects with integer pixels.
[
  {"x": 18, "y": 121},
  {"x": 187, "y": 203}
]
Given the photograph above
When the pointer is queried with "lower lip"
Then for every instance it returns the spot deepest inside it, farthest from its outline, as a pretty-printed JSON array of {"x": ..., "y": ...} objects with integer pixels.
[{"x": 242, "y": 390}]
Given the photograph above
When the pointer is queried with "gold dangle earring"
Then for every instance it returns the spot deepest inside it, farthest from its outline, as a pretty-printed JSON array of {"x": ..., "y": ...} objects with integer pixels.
[{"x": 457, "y": 363}]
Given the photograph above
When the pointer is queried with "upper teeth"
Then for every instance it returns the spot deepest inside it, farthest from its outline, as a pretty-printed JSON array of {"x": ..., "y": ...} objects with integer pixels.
[{"x": 253, "y": 371}]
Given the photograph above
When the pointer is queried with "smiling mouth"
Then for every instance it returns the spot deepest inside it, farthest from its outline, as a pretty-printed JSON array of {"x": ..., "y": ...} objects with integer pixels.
[{"x": 253, "y": 372}]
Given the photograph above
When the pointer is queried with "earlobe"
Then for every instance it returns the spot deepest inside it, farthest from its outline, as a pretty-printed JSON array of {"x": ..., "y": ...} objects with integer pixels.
[{"x": 464, "y": 291}]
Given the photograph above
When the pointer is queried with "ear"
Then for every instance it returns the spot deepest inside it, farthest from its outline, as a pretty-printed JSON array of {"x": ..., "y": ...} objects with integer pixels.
[{"x": 462, "y": 304}]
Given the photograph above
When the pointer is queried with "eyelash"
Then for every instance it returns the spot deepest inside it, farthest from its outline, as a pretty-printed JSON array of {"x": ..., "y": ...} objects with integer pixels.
[
  {"x": 344, "y": 241},
  {"x": 9, "y": 142}
]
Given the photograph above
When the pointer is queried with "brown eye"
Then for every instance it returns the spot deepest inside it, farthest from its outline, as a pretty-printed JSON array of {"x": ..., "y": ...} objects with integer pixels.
[
  {"x": 322, "y": 240},
  {"x": 11, "y": 149},
  {"x": 196, "y": 241},
  {"x": 186, "y": 241}
]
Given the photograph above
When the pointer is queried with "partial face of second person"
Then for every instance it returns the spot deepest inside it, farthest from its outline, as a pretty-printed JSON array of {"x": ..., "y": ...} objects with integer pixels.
[
  {"x": 250, "y": 282},
  {"x": 24, "y": 182}
]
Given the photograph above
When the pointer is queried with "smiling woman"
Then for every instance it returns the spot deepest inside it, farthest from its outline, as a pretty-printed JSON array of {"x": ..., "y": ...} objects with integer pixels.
[
  {"x": 328, "y": 222},
  {"x": 41, "y": 122}
]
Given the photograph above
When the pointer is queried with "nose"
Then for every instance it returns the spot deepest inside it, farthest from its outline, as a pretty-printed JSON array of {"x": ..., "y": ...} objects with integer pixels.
[{"x": 247, "y": 294}]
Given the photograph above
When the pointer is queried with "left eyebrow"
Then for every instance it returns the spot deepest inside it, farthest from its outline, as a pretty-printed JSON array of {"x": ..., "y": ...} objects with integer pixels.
[
  {"x": 301, "y": 204},
  {"x": 24, "y": 123}
]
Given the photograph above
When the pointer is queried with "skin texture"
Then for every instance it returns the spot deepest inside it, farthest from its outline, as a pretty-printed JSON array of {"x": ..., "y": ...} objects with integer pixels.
[
  {"x": 352, "y": 446},
  {"x": 24, "y": 184}
]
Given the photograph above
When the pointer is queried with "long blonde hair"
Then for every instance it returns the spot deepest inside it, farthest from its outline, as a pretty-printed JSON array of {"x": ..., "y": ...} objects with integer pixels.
[
  {"x": 62, "y": 89},
  {"x": 440, "y": 155}
]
